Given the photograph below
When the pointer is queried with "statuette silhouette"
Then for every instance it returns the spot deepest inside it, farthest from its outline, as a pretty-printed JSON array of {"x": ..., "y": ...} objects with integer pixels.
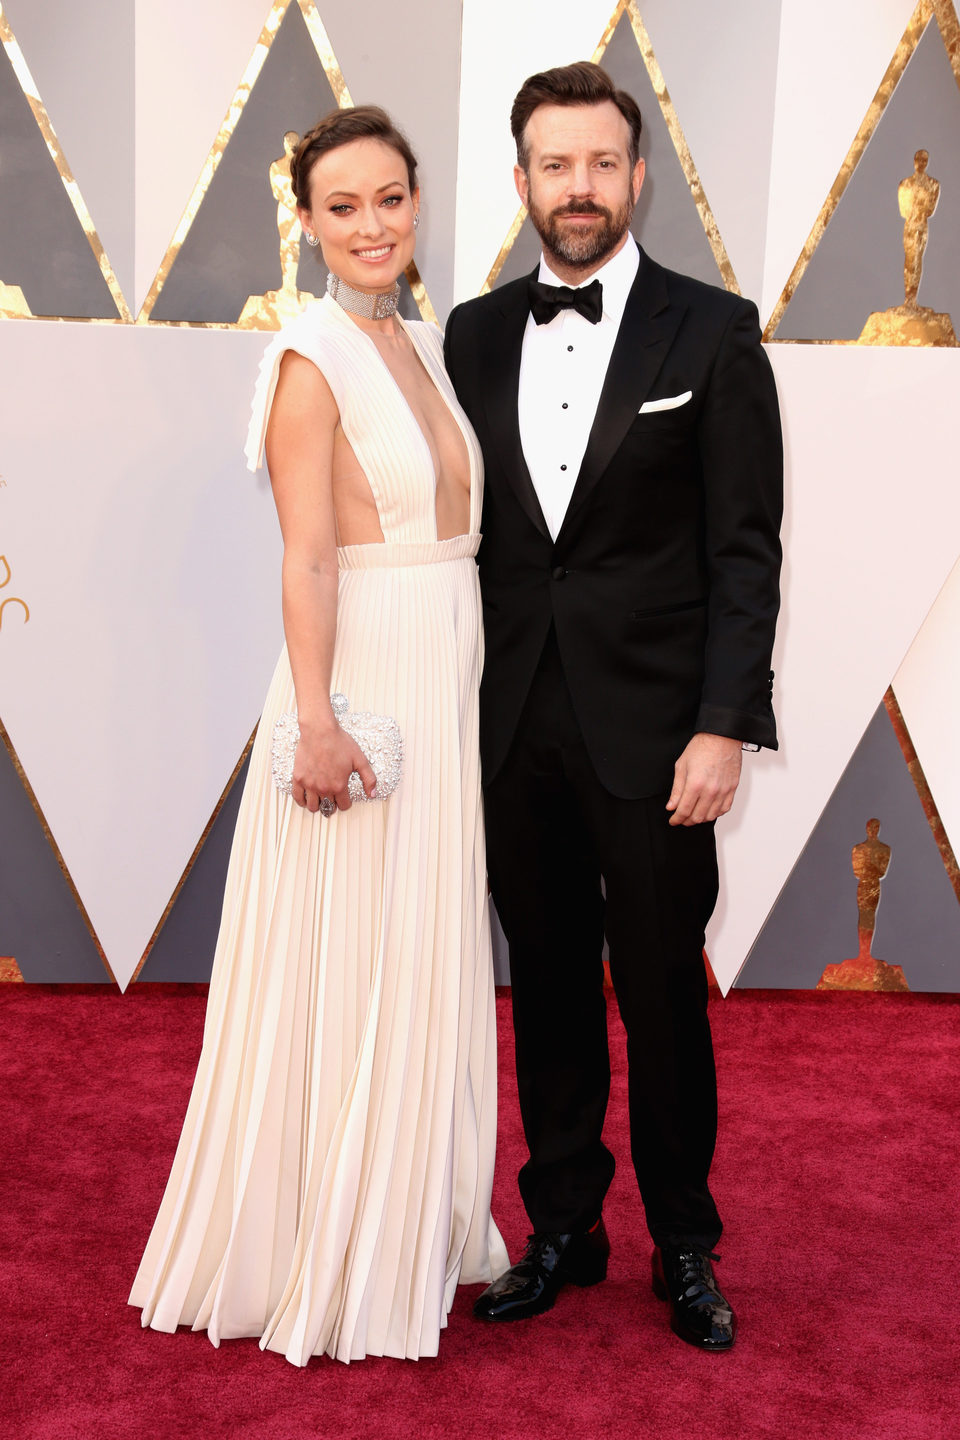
[
  {"x": 911, "y": 323},
  {"x": 918, "y": 196},
  {"x": 274, "y": 308},
  {"x": 871, "y": 861}
]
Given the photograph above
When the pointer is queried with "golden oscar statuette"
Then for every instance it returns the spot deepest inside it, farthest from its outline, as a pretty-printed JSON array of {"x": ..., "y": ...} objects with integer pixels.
[
  {"x": 910, "y": 323},
  {"x": 276, "y": 307},
  {"x": 13, "y": 302},
  {"x": 871, "y": 860}
]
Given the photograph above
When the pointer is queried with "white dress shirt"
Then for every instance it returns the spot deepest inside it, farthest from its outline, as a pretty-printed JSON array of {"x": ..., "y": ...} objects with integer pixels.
[{"x": 562, "y": 369}]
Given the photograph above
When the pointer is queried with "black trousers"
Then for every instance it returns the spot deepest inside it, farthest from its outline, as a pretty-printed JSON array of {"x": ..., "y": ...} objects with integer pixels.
[{"x": 553, "y": 833}]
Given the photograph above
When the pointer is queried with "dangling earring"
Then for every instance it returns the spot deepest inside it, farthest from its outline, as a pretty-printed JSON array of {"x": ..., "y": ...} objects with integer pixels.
[
  {"x": 312, "y": 240},
  {"x": 416, "y": 221}
]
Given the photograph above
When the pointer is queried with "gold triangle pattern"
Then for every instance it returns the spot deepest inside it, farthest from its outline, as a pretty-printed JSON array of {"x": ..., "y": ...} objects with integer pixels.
[
  {"x": 630, "y": 9},
  {"x": 923, "y": 789},
  {"x": 943, "y": 12},
  {"x": 338, "y": 85},
  {"x": 32, "y": 95}
]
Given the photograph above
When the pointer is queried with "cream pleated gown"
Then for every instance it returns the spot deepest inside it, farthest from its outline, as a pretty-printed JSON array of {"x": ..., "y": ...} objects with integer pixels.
[{"x": 332, "y": 1182}]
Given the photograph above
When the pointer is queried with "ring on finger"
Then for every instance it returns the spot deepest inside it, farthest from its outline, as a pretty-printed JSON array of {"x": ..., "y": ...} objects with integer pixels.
[{"x": 328, "y": 806}]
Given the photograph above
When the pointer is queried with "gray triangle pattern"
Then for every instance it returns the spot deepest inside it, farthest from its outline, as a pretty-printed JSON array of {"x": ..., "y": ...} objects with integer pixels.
[
  {"x": 40, "y": 923},
  {"x": 43, "y": 247},
  {"x": 857, "y": 267},
  {"x": 231, "y": 250},
  {"x": 666, "y": 220},
  {"x": 183, "y": 951},
  {"x": 814, "y": 922}
]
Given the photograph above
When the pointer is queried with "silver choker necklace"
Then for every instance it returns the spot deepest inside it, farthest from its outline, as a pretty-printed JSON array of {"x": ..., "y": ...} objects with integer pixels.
[{"x": 359, "y": 302}]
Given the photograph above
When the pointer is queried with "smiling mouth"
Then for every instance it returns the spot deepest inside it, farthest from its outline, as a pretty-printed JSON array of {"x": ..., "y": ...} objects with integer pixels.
[{"x": 380, "y": 253}]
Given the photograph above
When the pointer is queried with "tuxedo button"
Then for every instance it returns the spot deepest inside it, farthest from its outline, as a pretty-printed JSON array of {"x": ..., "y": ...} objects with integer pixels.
[{"x": 559, "y": 573}]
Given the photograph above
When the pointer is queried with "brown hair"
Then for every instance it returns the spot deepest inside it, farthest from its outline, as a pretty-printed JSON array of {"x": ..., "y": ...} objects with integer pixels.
[
  {"x": 581, "y": 84},
  {"x": 360, "y": 122}
]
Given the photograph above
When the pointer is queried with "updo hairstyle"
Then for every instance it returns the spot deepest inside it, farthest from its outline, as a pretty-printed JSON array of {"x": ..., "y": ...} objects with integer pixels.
[{"x": 340, "y": 127}]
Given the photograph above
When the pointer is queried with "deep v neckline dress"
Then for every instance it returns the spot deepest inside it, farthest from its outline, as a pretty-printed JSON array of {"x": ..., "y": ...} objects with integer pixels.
[{"x": 332, "y": 1182}]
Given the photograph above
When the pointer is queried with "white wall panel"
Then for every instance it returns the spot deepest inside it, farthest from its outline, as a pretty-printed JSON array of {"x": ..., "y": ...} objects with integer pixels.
[
  {"x": 149, "y": 558},
  {"x": 927, "y": 686},
  {"x": 869, "y": 537}
]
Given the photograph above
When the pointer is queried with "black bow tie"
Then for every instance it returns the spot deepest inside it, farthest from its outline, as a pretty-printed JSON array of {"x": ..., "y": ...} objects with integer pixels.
[{"x": 546, "y": 301}]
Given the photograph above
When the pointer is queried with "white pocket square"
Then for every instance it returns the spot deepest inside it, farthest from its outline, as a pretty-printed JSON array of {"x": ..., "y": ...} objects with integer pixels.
[{"x": 669, "y": 402}]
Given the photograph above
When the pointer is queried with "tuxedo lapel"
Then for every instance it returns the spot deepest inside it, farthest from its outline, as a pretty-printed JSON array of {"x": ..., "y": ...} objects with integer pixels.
[
  {"x": 501, "y": 370},
  {"x": 647, "y": 328}
]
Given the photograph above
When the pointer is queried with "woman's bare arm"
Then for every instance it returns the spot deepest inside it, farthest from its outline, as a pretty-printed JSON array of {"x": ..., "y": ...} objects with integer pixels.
[{"x": 299, "y": 450}]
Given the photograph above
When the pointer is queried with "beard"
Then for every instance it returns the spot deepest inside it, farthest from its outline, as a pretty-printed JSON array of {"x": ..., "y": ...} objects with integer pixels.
[{"x": 581, "y": 249}]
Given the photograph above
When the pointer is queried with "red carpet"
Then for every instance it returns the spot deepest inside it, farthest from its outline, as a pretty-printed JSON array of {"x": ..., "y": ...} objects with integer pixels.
[{"x": 836, "y": 1173}]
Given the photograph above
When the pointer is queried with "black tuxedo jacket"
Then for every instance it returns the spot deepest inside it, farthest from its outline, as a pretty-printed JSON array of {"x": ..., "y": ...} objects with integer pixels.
[{"x": 662, "y": 584}]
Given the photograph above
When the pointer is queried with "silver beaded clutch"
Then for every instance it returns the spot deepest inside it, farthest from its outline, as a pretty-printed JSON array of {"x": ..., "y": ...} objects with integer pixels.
[{"x": 377, "y": 735}]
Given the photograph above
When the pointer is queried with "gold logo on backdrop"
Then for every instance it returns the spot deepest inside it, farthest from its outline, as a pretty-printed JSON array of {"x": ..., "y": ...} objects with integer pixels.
[
  {"x": 276, "y": 307},
  {"x": 10, "y": 599},
  {"x": 261, "y": 315},
  {"x": 910, "y": 323},
  {"x": 945, "y": 17},
  {"x": 8, "y": 306},
  {"x": 630, "y": 9},
  {"x": 871, "y": 861}
]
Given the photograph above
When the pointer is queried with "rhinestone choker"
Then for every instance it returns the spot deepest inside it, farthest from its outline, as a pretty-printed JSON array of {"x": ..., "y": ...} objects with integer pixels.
[{"x": 359, "y": 302}]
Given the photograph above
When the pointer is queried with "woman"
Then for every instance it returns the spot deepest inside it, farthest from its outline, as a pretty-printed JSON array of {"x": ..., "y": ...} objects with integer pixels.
[{"x": 332, "y": 1182}]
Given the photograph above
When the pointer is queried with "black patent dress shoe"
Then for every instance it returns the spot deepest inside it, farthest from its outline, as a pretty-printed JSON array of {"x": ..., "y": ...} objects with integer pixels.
[
  {"x": 550, "y": 1261},
  {"x": 699, "y": 1313}
]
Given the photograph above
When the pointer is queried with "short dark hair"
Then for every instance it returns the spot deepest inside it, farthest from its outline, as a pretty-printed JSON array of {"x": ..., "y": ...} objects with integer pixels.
[
  {"x": 340, "y": 127},
  {"x": 581, "y": 84}
]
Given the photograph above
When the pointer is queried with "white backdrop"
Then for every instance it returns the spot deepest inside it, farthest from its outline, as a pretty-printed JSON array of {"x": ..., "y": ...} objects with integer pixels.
[{"x": 150, "y": 558}]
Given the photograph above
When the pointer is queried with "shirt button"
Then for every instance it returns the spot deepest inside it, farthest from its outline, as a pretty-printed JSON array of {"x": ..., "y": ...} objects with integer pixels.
[
  {"x": 564, "y": 406},
  {"x": 569, "y": 347},
  {"x": 563, "y": 467},
  {"x": 559, "y": 573}
]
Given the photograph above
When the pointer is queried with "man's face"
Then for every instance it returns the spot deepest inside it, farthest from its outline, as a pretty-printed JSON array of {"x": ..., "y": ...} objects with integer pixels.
[{"x": 580, "y": 189}]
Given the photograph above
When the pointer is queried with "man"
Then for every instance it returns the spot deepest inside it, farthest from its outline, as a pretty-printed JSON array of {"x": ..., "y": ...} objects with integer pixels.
[{"x": 629, "y": 572}]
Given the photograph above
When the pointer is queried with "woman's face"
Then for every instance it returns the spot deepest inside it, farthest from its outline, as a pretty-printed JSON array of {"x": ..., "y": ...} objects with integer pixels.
[{"x": 362, "y": 211}]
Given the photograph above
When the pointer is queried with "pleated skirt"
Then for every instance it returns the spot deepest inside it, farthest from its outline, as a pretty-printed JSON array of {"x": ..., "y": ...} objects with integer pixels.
[{"x": 332, "y": 1182}]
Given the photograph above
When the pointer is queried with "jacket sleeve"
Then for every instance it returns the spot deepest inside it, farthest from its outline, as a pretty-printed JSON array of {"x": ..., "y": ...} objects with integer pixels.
[{"x": 742, "y": 462}]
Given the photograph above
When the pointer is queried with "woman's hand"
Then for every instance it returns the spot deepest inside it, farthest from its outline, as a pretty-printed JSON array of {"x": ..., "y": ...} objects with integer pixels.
[{"x": 322, "y": 768}]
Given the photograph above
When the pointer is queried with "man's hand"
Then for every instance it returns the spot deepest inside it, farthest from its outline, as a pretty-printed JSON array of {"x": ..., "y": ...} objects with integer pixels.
[{"x": 705, "y": 780}]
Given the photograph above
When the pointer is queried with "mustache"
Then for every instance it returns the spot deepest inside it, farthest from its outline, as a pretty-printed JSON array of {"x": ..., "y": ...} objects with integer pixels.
[{"x": 583, "y": 207}]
